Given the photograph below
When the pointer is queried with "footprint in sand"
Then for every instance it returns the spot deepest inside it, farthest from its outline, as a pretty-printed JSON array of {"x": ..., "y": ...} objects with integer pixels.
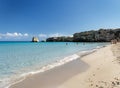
[
  {"x": 98, "y": 68},
  {"x": 93, "y": 74}
]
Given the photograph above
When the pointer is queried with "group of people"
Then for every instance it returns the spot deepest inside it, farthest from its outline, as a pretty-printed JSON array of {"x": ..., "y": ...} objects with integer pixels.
[
  {"x": 114, "y": 41},
  {"x": 77, "y": 43}
]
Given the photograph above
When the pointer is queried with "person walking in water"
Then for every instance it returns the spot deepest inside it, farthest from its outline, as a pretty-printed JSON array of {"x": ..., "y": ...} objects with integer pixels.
[{"x": 66, "y": 43}]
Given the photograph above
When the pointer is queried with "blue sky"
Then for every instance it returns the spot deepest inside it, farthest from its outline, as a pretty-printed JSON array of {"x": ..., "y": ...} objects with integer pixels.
[{"x": 22, "y": 19}]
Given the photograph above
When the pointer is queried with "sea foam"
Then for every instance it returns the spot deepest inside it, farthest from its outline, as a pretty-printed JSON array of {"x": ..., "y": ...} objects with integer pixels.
[
  {"x": 40, "y": 53},
  {"x": 53, "y": 65}
]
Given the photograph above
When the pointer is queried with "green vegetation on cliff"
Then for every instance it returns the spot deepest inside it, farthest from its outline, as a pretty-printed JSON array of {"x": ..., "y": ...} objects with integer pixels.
[
  {"x": 101, "y": 35},
  {"x": 60, "y": 39}
]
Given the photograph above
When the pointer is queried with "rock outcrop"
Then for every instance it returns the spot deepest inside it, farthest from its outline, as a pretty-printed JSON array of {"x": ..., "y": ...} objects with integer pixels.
[
  {"x": 101, "y": 35},
  {"x": 59, "y": 39},
  {"x": 35, "y": 39}
]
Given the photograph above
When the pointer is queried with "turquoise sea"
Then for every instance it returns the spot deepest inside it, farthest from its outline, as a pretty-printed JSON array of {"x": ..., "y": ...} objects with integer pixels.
[{"x": 18, "y": 59}]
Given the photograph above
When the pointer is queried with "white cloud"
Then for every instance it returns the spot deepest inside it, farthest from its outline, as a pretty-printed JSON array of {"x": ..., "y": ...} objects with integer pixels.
[
  {"x": 53, "y": 35},
  {"x": 17, "y": 35},
  {"x": 70, "y": 35},
  {"x": 26, "y": 34},
  {"x": 59, "y": 35},
  {"x": 13, "y": 35},
  {"x": 42, "y": 35},
  {"x": 56, "y": 35}
]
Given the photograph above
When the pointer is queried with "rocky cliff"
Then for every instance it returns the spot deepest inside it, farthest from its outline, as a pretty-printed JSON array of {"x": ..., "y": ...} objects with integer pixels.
[
  {"x": 60, "y": 39},
  {"x": 101, "y": 35}
]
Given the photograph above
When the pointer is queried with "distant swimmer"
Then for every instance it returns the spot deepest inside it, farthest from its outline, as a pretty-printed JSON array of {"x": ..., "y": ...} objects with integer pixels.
[
  {"x": 77, "y": 43},
  {"x": 66, "y": 43}
]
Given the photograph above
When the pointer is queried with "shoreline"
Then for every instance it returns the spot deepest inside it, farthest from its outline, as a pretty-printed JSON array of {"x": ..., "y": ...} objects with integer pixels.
[
  {"x": 103, "y": 71},
  {"x": 64, "y": 67},
  {"x": 6, "y": 83},
  {"x": 45, "y": 68},
  {"x": 55, "y": 76}
]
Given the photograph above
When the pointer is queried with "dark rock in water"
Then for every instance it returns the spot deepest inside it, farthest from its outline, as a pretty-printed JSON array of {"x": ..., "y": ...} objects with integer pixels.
[
  {"x": 42, "y": 41},
  {"x": 35, "y": 39},
  {"x": 60, "y": 39}
]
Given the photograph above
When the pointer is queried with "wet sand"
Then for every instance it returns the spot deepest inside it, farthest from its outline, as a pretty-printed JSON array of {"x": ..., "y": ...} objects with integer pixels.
[
  {"x": 54, "y": 77},
  {"x": 99, "y": 69}
]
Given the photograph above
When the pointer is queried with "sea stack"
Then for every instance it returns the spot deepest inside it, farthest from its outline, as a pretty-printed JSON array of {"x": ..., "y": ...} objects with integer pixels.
[{"x": 35, "y": 39}]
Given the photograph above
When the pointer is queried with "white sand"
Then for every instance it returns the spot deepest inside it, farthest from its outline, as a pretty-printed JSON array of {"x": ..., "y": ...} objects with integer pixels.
[{"x": 104, "y": 71}]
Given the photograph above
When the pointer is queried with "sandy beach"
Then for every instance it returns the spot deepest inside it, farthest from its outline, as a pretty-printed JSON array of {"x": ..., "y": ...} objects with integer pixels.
[
  {"x": 103, "y": 72},
  {"x": 53, "y": 78},
  {"x": 97, "y": 70}
]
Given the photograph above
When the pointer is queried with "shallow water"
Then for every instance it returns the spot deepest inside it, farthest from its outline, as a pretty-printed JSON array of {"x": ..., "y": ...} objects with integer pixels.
[{"x": 18, "y": 58}]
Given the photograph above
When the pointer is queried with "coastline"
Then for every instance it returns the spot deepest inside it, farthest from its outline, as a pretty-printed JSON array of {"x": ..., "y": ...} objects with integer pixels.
[
  {"x": 57, "y": 76},
  {"x": 54, "y": 77},
  {"x": 35, "y": 62},
  {"x": 103, "y": 71}
]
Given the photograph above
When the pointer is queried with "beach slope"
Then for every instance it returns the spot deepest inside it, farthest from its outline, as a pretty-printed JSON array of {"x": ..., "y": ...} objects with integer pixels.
[
  {"x": 103, "y": 72},
  {"x": 99, "y": 69}
]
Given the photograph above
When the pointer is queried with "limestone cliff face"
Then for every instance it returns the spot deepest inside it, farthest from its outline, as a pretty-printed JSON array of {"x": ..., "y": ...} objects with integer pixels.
[
  {"x": 101, "y": 35},
  {"x": 35, "y": 39}
]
